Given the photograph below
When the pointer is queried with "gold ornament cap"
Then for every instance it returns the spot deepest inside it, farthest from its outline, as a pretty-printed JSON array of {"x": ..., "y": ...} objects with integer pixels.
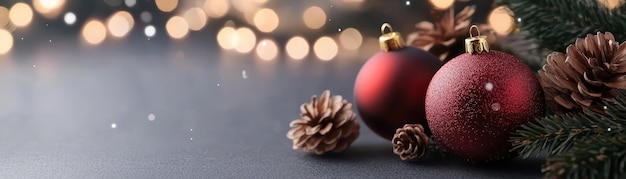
[
  {"x": 476, "y": 44},
  {"x": 390, "y": 41}
]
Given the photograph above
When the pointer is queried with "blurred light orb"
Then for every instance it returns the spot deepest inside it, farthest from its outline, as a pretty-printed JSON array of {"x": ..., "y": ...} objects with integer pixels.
[
  {"x": 244, "y": 5},
  {"x": 244, "y": 40},
  {"x": 225, "y": 38},
  {"x": 6, "y": 41},
  {"x": 611, "y": 4},
  {"x": 266, "y": 20},
  {"x": 442, "y": 4},
  {"x": 120, "y": 23},
  {"x": 150, "y": 31},
  {"x": 113, "y": 125},
  {"x": 325, "y": 48},
  {"x": 130, "y": 3},
  {"x": 21, "y": 14},
  {"x": 4, "y": 16},
  {"x": 196, "y": 18},
  {"x": 48, "y": 8},
  {"x": 166, "y": 5},
  {"x": 177, "y": 27},
  {"x": 501, "y": 20},
  {"x": 297, "y": 48},
  {"x": 314, "y": 17},
  {"x": 351, "y": 38},
  {"x": 69, "y": 18},
  {"x": 267, "y": 49},
  {"x": 94, "y": 32},
  {"x": 216, "y": 8},
  {"x": 145, "y": 16}
]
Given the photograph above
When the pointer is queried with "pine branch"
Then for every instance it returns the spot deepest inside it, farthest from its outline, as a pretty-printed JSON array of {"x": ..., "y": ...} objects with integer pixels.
[
  {"x": 557, "y": 23},
  {"x": 593, "y": 157},
  {"x": 558, "y": 134}
]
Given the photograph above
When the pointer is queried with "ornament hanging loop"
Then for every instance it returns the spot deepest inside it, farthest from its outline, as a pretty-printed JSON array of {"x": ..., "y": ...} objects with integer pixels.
[
  {"x": 476, "y": 44},
  {"x": 390, "y": 41}
]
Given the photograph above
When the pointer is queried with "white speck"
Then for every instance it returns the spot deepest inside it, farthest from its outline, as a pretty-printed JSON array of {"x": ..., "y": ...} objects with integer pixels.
[
  {"x": 244, "y": 75},
  {"x": 519, "y": 19},
  {"x": 609, "y": 129},
  {"x": 50, "y": 41},
  {"x": 495, "y": 106},
  {"x": 339, "y": 29},
  {"x": 46, "y": 25},
  {"x": 489, "y": 86},
  {"x": 191, "y": 130},
  {"x": 34, "y": 66},
  {"x": 331, "y": 6},
  {"x": 113, "y": 125},
  {"x": 69, "y": 18},
  {"x": 191, "y": 138},
  {"x": 605, "y": 107},
  {"x": 218, "y": 84},
  {"x": 151, "y": 117},
  {"x": 22, "y": 38},
  {"x": 150, "y": 31},
  {"x": 148, "y": 38},
  {"x": 330, "y": 20},
  {"x": 408, "y": 3}
]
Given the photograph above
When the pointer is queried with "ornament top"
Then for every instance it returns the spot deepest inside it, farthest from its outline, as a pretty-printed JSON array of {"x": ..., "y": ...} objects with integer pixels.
[
  {"x": 476, "y": 44},
  {"x": 391, "y": 41}
]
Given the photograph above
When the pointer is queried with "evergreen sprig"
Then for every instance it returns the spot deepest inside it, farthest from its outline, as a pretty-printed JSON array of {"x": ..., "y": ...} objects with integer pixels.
[
  {"x": 593, "y": 157},
  {"x": 555, "y": 24},
  {"x": 558, "y": 133}
]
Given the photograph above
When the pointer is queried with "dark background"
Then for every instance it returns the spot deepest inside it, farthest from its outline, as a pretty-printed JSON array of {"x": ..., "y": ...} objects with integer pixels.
[{"x": 59, "y": 99}]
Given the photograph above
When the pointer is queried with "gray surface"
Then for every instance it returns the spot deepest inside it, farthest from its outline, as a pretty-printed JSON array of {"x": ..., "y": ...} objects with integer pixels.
[{"x": 55, "y": 118}]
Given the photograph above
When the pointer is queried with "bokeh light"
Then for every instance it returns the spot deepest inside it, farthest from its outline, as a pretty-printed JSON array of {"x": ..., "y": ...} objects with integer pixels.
[
  {"x": 4, "y": 16},
  {"x": 166, "y": 5},
  {"x": 225, "y": 38},
  {"x": 120, "y": 23},
  {"x": 21, "y": 14},
  {"x": 94, "y": 32},
  {"x": 244, "y": 5},
  {"x": 501, "y": 20},
  {"x": 177, "y": 27},
  {"x": 150, "y": 31},
  {"x": 6, "y": 41},
  {"x": 130, "y": 3},
  {"x": 297, "y": 48},
  {"x": 145, "y": 16},
  {"x": 266, "y": 20},
  {"x": 244, "y": 40},
  {"x": 48, "y": 8},
  {"x": 69, "y": 18},
  {"x": 351, "y": 38},
  {"x": 442, "y": 4},
  {"x": 325, "y": 48},
  {"x": 314, "y": 17},
  {"x": 611, "y": 4},
  {"x": 216, "y": 8},
  {"x": 196, "y": 18},
  {"x": 267, "y": 49}
]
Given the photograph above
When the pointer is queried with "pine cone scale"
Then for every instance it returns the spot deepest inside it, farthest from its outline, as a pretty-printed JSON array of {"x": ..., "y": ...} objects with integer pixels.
[{"x": 410, "y": 142}]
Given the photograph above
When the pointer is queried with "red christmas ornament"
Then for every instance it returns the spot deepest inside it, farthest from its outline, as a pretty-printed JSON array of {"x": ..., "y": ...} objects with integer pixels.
[
  {"x": 390, "y": 88},
  {"x": 478, "y": 98}
]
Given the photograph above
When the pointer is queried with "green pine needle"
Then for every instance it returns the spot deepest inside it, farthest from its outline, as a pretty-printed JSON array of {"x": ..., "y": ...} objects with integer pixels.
[
  {"x": 555, "y": 24},
  {"x": 592, "y": 157},
  {"x": 559, "y": 133}
]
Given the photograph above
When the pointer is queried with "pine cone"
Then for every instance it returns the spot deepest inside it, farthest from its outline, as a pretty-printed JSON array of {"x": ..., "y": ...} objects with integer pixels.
[
  {"x": 437, "y": 37},
  {"x": 410, "y": 142},
  {"x": 327, "y": 124},
  {"x": 584, "y": 76}
]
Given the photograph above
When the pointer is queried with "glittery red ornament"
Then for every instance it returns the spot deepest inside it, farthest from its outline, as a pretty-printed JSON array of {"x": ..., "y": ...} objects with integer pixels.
[
  {"x": 390, "y": 88},
  {"x": 475, "y": 101}
]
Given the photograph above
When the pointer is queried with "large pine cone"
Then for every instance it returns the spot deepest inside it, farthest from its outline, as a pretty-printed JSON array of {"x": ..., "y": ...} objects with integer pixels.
[
  {"x": 410, "y": 142},
  {"x": 325, "y": 125},
  {"x": 584, "y": 76}
]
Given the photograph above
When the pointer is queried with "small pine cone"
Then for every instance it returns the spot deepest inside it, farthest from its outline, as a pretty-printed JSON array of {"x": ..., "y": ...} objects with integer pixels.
[
  {"x": 410, "y": 142},
  {"x": 327, "y": 124},
  {"x": 584, "y": 76}
]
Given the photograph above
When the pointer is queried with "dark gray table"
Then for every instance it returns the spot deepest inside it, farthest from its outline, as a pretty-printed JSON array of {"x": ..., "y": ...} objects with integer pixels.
[{"x": 58, "y": 103}]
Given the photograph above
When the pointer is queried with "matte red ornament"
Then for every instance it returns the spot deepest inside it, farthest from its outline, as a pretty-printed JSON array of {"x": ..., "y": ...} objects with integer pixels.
[
  {"x": 475, "y": 101},
  {"x": 390, "y": 88}
]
